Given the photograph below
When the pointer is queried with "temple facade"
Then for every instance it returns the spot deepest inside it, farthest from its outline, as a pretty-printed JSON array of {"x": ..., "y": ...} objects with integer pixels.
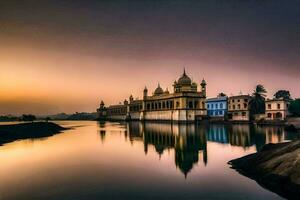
[{"x": 185, "y": 104}]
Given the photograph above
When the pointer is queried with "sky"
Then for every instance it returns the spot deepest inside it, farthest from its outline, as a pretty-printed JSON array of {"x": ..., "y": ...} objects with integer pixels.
[{"x": 66, "y": 56}]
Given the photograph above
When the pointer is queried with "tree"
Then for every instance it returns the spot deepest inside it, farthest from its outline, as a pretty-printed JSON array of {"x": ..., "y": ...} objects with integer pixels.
[
  {"x": 294, "y": 108},
  {"x": 285, "y": 94},
  {"x": 28, "y": 118},
  {"x": 47, "y": 119},
  {"x": 257, "y": 103},
  {"x": 221, "y": 94}
]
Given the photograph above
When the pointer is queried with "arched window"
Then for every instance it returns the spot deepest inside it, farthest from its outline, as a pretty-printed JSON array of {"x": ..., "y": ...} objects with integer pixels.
[{"x": 221, "y": 105}]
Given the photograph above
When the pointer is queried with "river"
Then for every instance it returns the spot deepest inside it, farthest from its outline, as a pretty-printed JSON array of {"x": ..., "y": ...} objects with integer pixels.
[{"x": 135, "y": 160}]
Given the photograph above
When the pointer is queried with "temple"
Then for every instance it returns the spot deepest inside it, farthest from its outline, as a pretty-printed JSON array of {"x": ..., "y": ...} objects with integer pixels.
[{"x": 185, "y": 104}]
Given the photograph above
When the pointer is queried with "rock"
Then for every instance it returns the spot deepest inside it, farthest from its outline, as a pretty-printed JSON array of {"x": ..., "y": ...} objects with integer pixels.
[
  {"x": 290, "y": 127},
  {"x": 276, "y": 167}
]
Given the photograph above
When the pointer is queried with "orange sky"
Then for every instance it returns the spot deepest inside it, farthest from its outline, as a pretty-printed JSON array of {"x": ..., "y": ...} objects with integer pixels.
[{"x": 52, "y": 63}]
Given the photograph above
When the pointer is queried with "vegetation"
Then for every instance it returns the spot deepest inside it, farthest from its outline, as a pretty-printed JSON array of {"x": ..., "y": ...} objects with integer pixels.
[
  {"x": 221, "y": 94},
  {"x": 28, "y": 118},
  {"x": 82, "y": 116},
  {"x": 285, "y": 94},
  {"x": 47, "y": 119},
  {"x": 9, "y": 118},
  {"x": 10, "y": 133},
  {"x": 257, "y": 102},
  {"x": 294, "y": 108}
]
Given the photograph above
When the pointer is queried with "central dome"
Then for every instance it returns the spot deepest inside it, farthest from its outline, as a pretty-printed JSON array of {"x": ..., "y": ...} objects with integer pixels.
[
  {"x": 184, "y": 79},
  {"x": 158, "y": 90}
]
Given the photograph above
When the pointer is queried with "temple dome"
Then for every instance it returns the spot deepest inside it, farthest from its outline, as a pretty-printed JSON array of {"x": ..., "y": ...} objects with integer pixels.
[
  {"x": 158, "y": 90},
  {"x": 184, "y": 79}
]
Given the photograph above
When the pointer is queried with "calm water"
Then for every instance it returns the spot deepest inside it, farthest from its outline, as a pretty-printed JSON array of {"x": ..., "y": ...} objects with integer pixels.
[{"x": 134, "y": 161}]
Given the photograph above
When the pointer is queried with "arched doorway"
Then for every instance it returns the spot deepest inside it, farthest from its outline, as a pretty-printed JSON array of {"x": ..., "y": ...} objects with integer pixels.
[{"x": 278, "y": 115}]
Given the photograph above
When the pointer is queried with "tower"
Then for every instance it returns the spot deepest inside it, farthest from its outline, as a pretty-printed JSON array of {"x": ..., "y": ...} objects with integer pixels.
[
  {"x": 130, "y": 99},
  {"x": 101, "y": 111},
  {"x": 203, "y": 87},
  {"x": 102, "y": 104},
  {"x": 145, "y": 93}
]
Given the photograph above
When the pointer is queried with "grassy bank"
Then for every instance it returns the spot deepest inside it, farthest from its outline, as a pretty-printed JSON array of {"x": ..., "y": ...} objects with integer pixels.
[{"x": 9, "y": 133}]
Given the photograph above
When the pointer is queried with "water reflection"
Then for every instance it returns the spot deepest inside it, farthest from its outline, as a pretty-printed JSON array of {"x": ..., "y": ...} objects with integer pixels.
[
  {"x": 189, "y": 141},
  {"x": 186, "y": 140}
]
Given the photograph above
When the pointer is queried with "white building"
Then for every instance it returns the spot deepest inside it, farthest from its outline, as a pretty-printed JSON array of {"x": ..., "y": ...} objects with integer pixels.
[{"x": 277, "y": 109}]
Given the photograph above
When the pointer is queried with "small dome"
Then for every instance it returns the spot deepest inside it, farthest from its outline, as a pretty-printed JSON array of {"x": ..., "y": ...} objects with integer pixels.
[
  {"x": 184, "y": 79},
  {"x": 158, "y": 90},
  {"x": 167, "y": 91}
]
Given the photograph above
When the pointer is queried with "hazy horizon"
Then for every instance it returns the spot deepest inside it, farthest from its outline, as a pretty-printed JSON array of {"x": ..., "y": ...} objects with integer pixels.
[{"x": 66, "y": 56}]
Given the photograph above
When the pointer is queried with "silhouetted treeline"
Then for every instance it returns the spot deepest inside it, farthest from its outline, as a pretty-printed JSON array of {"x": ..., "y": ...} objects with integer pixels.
[
  {"x": 82, "y": 116},
  {"x": 24, "y": 117},
  {"x": 9, "y": 118}
]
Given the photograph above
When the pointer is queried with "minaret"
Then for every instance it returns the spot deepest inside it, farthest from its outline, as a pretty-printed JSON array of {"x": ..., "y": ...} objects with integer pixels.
[
  {"x": 102, "y": 104},
  {"x": 203, "y": 87},
  {"x": 130, "y": 99},
  {"x": 145, "y": 93},
  {"x": 101, "y": 111}
]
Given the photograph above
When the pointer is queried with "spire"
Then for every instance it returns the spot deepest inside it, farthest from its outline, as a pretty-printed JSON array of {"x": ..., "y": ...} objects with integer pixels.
[
  {"x": 203, "y": 82},
  {"x": 184, "y": 71}
]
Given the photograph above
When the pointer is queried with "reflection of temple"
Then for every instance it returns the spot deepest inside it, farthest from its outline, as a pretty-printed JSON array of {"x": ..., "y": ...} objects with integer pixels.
[
  {"x": 186, "y": 140},
  {"x": 102, "y": 131},
  {"x": 189, "y": 141}
]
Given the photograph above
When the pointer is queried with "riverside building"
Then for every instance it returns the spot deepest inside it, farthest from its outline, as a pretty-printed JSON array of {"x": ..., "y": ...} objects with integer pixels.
[
  {"x": 238, "y": 108},
  {"x": 277, "y": 109},
  {"x": 217, "y": 107},
  {"x": 185, "y": 104}
]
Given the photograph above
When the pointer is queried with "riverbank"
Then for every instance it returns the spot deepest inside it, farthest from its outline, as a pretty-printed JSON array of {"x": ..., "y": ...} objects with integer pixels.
[
  {"x": 276, "y": 167},
  {"x": 10, "y": 133}
]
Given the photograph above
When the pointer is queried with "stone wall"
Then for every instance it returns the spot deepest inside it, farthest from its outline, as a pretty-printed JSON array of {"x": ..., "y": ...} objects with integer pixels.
[
  {"x": 116, "y": 117},
  {"x": 173, "y": 115}
]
